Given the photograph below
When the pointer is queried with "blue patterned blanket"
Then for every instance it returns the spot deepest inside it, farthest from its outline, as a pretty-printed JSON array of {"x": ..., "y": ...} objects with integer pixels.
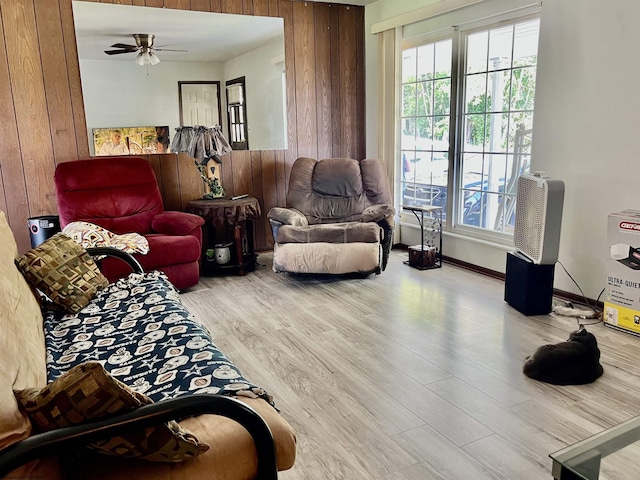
[{"x": 143, "y": 335}]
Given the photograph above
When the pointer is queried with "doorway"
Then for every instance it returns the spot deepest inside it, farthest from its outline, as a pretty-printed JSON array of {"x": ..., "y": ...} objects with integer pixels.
[{"x": 199, "y": 103}]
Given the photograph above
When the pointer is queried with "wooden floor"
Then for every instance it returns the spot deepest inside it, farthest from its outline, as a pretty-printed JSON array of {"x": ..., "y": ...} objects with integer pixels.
[{"x": 411, "y": 374}]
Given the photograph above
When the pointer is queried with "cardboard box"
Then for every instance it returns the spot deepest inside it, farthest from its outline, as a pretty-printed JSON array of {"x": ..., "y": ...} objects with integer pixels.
[
  {"x": 622, "y": 301},
  {"x": 422, "y": 259}
]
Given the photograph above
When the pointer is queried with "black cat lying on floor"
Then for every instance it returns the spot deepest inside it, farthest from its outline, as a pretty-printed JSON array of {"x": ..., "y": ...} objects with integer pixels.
[{"x": 574, "y": 362}]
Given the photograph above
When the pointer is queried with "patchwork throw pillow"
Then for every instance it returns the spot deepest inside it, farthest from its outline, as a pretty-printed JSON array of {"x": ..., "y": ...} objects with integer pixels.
[
  {"x": 88, "y": 392},
  {"x": 63, "y": 271}
]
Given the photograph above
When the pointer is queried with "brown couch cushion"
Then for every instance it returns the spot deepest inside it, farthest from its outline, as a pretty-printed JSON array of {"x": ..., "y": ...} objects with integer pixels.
[
  {"x": 88, "y": 392},
  {"x": 232, "y": 453},
  {"x": 331, "y": 233},
  {"x": 63, "y": 271}
]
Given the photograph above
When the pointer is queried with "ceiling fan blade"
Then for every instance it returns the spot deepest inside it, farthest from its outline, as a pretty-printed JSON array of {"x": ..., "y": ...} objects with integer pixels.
[
  {"x": 117, "y": 52},
  {"x": 124, "y": 45},
  {"x": 168, "y": 50}
]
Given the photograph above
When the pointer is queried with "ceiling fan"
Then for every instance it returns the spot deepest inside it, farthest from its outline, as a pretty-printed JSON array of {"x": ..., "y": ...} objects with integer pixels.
[{"x": 144, "y": 47}]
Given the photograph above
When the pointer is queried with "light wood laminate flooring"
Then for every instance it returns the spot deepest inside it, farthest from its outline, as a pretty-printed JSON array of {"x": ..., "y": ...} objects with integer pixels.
[{"x": 410, "y": 374}]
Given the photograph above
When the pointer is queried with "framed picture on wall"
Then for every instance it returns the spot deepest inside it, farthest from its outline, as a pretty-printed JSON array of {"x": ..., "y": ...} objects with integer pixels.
[{"x": 131, "y": 140}]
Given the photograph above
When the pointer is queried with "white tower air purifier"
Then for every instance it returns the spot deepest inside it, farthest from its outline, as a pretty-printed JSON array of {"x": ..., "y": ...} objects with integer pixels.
[
  {"x": 529, "y": 273},
  {"x": 538, "y": 217}
]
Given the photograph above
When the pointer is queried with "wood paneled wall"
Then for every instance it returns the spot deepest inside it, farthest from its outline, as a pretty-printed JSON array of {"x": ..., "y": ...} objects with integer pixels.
[{"x": 42, "y": 118}]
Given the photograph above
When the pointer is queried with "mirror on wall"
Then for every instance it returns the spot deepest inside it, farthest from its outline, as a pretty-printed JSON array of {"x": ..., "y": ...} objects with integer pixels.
[{"x": 153, "y": 52}]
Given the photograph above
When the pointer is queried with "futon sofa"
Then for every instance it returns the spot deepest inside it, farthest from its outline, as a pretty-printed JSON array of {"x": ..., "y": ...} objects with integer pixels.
[
  {"x": 180, "y": 409},
  {"x": 339, "y": 218}
]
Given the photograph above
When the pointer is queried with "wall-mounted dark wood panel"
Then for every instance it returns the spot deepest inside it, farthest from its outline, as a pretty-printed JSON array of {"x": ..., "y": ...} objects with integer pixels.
[
  {"x": 29, "y": 100},
  {"x": 281, "y": 176},
  {"x": 55, "y": 72},
  {"x": 242, "y": 174},
  {"x": 170, "y": 186},
  {"x": 261, "y": 8},
  {"x": 256, "y": 189},
  {"x": 178, "y": 4},
  {"x": 305, "y": 77},
  {"x": 201, "y": 5},
  {"x": 73, "y": 74},
  {"x": 285, "y": 10},
  {"x": 247, "y": 7},
  {"x": 336, "y": 87},
  {"x": 42, "y": 118},
  {"x": 232, "y": 6},
  {"x": 348, "y": 82},
  {"x": 191, "y": 184},
  {"x": 273, "y": 8},
  {"x": 323, "y": 78},
  {"x": 360, "y": 144},
  {"x": 13, "y": 197}
]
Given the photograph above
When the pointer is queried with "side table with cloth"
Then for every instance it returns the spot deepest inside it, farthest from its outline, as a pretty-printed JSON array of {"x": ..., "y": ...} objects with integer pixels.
[{"x": 228, "y": 220}]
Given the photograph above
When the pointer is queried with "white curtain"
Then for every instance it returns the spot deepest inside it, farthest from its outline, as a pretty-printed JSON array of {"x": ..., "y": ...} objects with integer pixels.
[{"x": 389, "y": 58}]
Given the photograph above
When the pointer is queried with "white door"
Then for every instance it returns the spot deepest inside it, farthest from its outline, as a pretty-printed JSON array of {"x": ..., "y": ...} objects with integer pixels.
[{"x": 200, "y": 104}]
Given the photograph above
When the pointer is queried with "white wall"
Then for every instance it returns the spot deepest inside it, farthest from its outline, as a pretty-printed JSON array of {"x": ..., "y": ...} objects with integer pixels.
[
  {"x": 125, "y": 94},
  {"x": 266, "y": 108},
  {"x": 584, "y": 126}
]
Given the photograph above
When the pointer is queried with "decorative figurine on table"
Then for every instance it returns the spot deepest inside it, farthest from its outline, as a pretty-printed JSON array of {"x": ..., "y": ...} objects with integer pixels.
[{"x": 215, "y": 189}]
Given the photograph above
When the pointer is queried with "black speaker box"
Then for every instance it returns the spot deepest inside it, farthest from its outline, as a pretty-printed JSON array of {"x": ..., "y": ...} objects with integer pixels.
[{"x": 528, "y": 286}]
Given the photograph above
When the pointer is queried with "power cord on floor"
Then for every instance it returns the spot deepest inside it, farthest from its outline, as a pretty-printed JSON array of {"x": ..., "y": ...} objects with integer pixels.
[{"x": 568, "y": 309}]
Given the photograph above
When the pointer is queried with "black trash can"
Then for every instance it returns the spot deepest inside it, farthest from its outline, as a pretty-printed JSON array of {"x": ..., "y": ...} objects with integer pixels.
[{"x": 42, "y": 228}]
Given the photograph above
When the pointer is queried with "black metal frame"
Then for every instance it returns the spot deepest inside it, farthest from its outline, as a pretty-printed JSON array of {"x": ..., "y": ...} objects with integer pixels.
[
  {"x": 114, "y": 252},
  {"x": 62, "y": 439},
  {"x": 436, "y": 224}
]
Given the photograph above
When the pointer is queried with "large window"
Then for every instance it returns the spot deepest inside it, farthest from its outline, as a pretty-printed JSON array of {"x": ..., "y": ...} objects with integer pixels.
[
  {"x": 425, "y": 123},
  {"x": 493, "y": 77}
]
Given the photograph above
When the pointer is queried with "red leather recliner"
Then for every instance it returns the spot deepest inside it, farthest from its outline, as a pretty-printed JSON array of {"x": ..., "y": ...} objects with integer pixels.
[{"x": 121, "y": 194}]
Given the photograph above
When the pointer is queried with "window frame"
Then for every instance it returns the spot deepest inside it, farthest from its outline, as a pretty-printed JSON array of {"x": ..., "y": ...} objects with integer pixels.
[
  {"x": 462, "y": 33},
  {"x": 458, "y": 35},
  {"x": 416, "y": 42}
]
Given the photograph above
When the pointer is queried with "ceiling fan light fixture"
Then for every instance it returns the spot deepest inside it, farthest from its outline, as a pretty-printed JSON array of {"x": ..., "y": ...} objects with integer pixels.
[
  {"x": 144, "y": 58},
  {"x": 141, "y": 58},
  {"x": 144, "y": 46}
]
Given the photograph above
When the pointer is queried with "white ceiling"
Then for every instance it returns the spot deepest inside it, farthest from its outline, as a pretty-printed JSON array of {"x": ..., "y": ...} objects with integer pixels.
[{"x": 208, "y": 37}]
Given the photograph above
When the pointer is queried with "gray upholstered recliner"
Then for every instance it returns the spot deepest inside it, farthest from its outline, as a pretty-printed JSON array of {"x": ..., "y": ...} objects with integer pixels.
[{"x": 339, "y": 218}]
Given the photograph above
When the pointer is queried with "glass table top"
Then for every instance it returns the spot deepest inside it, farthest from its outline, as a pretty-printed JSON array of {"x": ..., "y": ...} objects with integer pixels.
[{"x": 611, "y": 454}]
